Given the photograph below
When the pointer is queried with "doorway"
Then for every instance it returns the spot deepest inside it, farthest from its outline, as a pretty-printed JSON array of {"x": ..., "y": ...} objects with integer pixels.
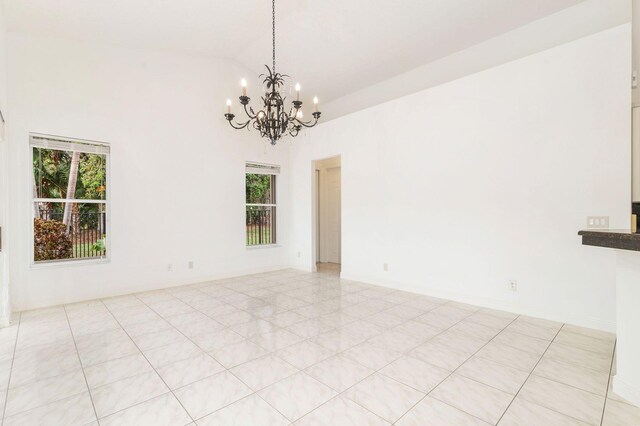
[{"x": 328, "y": 178}]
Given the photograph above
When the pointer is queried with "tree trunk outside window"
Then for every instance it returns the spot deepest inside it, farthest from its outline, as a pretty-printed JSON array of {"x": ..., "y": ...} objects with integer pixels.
[{"x": 71, "y": 188}]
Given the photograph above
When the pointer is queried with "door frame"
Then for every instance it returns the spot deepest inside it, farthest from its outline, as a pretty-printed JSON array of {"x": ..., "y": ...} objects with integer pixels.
[{"x": 336, "y": 161}]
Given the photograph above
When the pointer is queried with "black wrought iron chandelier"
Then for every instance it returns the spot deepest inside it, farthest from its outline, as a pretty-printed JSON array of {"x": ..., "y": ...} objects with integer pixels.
[{"x": 273, "y": 121}]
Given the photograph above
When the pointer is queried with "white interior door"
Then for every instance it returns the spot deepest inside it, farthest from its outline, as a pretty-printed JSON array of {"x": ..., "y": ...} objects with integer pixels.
[{"x": 332, "y": 210}]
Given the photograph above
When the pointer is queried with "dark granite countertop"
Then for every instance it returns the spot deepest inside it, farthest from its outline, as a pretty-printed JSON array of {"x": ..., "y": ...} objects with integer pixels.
[{"x": 622, "y": 239}]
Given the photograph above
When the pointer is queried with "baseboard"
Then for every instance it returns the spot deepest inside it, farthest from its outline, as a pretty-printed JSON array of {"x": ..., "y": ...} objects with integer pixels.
[
  {"x": 485, "y": 302},
  {"x": 225, "y": 275},
  {"x": 303, "y": 267},
  {"x": 458, "y": 297},
  {"x": 158, "y": 286},
  {"x": 626, "y": 391}
]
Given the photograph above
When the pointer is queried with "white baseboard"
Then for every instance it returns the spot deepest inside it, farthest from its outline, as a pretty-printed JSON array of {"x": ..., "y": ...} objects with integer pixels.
[
  {"x": 305, "y": 268},
  {"x": 626, "y": 391},
  {"x": 479, "y": 301},
  {"x": 157, "y": 286},
  {"x": 485, "y": 302}
]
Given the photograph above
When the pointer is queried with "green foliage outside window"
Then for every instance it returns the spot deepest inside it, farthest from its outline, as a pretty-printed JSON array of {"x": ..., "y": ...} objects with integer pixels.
[
  {"x": 258, "y": 189},
  {"x": 51, "y": 176}
]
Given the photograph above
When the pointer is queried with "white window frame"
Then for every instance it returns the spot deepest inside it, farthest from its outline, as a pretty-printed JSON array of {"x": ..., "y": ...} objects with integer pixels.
[
  {"x": 263, "y": 169},
  {"x": 56, "y": 142}
]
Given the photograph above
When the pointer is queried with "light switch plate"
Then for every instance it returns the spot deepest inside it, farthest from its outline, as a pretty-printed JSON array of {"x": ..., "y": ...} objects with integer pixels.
[{"x": 597, "y": 222}]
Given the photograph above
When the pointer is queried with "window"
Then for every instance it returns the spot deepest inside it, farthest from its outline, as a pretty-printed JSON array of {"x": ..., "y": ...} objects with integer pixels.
[
  {"x": 70, "y": 199},
  {"x": 260, "y": 190}
]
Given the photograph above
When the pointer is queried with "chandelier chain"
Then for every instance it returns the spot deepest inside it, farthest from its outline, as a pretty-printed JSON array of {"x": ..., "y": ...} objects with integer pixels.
[{"x": 273, "y": 16}]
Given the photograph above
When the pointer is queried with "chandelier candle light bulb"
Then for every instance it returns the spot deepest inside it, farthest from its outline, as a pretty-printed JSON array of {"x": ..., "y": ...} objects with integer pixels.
[
  {"x": 315, "y": 102},
  {"x": 272, "y": 119}
]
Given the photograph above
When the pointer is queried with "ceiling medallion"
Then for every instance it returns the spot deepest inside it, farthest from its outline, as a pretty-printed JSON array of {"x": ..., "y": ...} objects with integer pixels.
[{"x": 273, "y": 121}]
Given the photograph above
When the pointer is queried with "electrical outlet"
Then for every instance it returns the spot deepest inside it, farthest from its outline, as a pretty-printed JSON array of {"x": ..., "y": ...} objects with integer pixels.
[
  {"x": 513, "y": 285},
  {"x": 191, "y": 264},
  {"x": 385, "y": 266},
  {"x": 597, "y": 222},
  {"x": 169, "y": 267}
]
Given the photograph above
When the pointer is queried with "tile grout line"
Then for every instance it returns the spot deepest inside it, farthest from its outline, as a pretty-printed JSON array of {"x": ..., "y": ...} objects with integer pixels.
[
  {"x": 334, "y": 354},
  {"x": 223, "y": 366},
  {"x": 151, "y": 365},
  {"x": 273, "y": 352},
  {"x": 341, "y": 393},
  {"x": 606, "y": 393},
  {"x": 208, "y": 316},
  {"x": 63, "y": 306},
  {"x": 305, "y": 339},
  {"x": 15, "y": 347},
  {"x": 456, "y": 369},
  {"x": 247, "y": 289},
  {"x": 402, "y": 354},
  {"x": 574, "y": 365},
  {"x": 365, "y": 341},
  {"x": 73, "y": 337},
  {"x": 379, "y": 369},
  {"x": 531, "y": 374}
]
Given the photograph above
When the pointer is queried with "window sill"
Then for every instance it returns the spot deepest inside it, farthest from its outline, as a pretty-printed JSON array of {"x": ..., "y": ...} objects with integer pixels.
[
  {"x": 263, "y": 246},
  {"x": 68, "y": 263}
]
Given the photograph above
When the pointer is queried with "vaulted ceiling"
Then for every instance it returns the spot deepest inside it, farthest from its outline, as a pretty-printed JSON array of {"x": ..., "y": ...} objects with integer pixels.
[{"x": 333, "y": 47}]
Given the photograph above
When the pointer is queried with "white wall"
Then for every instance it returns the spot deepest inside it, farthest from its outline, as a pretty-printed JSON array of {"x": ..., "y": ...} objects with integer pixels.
[
  {"x": 636, "y": 46},
  {"x": 177, "y": 169},
  {"x": 5, "y": 308},
  {"x": 467, "y": 185}
]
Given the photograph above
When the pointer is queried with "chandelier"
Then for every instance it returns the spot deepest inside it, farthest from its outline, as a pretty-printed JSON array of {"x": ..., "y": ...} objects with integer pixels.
[{"x": 273, "y": 121}]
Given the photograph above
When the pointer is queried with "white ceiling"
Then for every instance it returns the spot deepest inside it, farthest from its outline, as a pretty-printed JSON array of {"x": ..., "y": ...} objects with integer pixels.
[{"x": 333, "y": 47}]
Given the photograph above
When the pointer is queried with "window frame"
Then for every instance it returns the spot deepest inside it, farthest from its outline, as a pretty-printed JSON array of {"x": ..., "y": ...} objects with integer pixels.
[
  {"x": 273, "y": 171},
  {"x": 107, "y": 204}
]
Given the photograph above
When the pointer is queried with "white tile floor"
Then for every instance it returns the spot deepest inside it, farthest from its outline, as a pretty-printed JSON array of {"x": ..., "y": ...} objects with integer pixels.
[{"x": 294, "y": 347}]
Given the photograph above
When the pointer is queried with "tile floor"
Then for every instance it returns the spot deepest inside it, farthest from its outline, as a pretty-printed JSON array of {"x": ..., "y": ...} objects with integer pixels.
[{"x": 290, "y": 347}]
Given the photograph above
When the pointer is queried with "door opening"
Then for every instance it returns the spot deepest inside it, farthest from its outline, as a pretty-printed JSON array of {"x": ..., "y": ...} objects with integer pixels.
[{"x": 328, "y": 179}]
